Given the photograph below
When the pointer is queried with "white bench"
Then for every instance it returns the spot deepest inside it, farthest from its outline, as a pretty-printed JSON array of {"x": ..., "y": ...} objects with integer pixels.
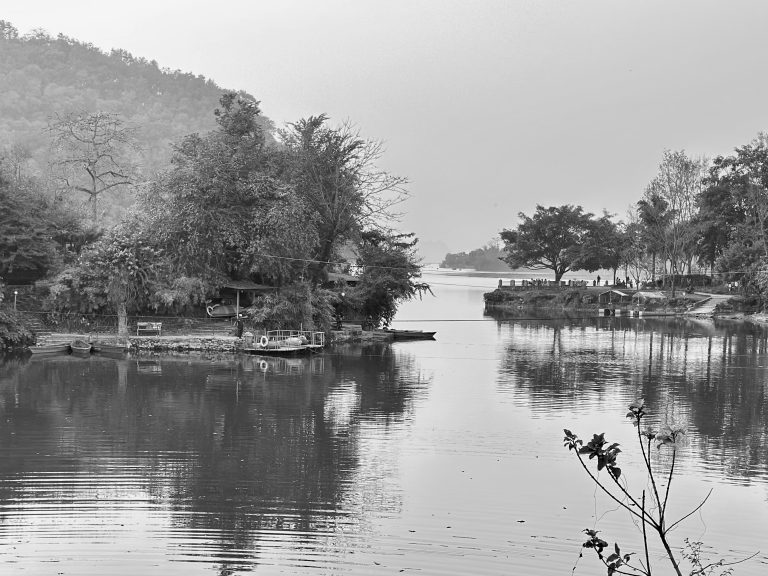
[{"x": 149, "y": 328}]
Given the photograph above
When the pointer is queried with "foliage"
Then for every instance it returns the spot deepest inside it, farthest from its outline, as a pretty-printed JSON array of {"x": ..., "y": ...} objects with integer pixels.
[
  {"x": 334, "y": 173},
  {"x": 26, "y": 247},
  {"x": 300, "y": 305},
  {"x": 122, "y": 267},
  {"x": 649, "y": 509},
  {"x": 550, "y": 239},
  {"x": 603, "y": 247},
  {"x": 13, "y": 333},
  {"x": 670, "y": 205},
  {"x": 738, "y": 200},
  {"x": 390, "y": 274},
  {"x": 220, "y": 207},
  {"x": 489, "y": 258}
]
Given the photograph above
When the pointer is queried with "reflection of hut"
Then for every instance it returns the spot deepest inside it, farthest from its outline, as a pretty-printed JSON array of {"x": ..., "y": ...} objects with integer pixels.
[{"x": 615, "y": 297}]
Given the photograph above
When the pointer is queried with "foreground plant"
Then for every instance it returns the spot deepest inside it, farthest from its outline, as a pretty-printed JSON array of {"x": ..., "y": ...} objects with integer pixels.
[{"x": 649, "y": 509}]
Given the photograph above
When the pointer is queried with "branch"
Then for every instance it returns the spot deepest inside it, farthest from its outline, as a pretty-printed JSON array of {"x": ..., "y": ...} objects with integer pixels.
[{"x": 691, "y": 513}]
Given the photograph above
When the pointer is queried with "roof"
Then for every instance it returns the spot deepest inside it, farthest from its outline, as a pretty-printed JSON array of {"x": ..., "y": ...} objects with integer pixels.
[
  {"x": 619, "y": 292},
  {"x": 650, "y": 294},
  {"x": 245, "y": 285}
]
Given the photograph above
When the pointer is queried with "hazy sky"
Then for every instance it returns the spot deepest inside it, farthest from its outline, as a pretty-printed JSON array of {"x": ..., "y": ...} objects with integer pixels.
[{"x": 488, "y": 107}]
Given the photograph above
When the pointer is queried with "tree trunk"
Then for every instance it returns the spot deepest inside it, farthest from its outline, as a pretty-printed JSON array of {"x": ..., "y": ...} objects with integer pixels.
[{"x": 122, "y": 320}]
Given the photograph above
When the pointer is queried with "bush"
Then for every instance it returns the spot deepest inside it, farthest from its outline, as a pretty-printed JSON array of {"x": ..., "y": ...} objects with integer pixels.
[{"x": 13, "y": 333}]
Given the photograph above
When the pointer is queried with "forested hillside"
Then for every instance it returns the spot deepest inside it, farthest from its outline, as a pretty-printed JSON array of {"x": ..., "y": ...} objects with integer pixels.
[{"x": 42, "y": 76}]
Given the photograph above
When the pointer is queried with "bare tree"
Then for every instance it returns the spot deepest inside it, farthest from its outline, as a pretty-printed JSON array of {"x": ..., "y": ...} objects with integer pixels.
[
  {"x": 92, "y": 154},
  {"x": 678, "y": 183}
]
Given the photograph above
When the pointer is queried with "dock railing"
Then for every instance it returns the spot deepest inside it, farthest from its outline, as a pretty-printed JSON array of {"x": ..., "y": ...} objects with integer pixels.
[{"x": 314, "y": 339}]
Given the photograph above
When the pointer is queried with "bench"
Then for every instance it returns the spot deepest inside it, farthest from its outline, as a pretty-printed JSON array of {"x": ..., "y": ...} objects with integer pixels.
[{"x": 149, "y": 328}]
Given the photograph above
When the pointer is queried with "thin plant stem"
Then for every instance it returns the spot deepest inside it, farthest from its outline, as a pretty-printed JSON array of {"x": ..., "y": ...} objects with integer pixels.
[
  {"x": 669, "y": 483},
  {"x": 663, "y": 538},
  {"x": 648, "y": 463},
  {"x": 610, "y": 494},
  {"x": 645, "y": 543}
]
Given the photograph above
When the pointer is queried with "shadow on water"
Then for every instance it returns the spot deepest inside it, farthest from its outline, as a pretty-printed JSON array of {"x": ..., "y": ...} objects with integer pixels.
[
  {"x": 245, "y": 450},
  {"x": 713, "y": 373}
]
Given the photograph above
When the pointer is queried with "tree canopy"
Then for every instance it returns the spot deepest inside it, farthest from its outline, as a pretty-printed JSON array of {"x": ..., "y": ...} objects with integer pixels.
[{"x": 550, "y": 239}]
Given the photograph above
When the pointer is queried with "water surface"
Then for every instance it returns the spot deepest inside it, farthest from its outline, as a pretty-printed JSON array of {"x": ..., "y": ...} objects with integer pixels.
[{"x": 439, "y": 457}]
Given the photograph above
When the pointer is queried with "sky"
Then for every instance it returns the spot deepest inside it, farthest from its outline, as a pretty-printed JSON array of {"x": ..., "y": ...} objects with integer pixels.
[{"x": 488, "y": 107}]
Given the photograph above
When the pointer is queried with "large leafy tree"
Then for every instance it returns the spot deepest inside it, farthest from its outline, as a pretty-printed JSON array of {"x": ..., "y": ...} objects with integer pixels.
[
  {"x": 716, "y": 222},
  {"x": 604, "y": 246},
  {"x": 222, "y": 211},
  {"x": 739, "y": 193},
  {"x": 390, "y": 275},
  {"x": 653, "y": 219},
  {"x": 334, "y": 172},
  {"x": 122, "y": 272},
  {"x": 552, "y": 238}
]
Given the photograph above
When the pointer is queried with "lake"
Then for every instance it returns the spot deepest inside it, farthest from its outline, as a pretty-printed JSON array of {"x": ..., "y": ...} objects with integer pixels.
[{"x": 428, "y": 457}]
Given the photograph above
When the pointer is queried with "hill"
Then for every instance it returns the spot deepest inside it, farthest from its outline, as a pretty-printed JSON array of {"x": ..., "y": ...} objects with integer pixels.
[{"x": 41, "y": 76}]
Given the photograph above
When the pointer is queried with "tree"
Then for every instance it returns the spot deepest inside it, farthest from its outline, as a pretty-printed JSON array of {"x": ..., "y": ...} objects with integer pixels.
[
  {"x": 121, "y": 272},
  {"x": 678, "y": 184},
  {"x": 390, "y": 275},
  {"x": 652, "y": 212},
  {"x": 27, "y": 246},
  {"x": 334, "y": 172},
  {"x": 551, "y": 239},
  {"x": 489, "y": 258},
  {"x": 739, "y": 194},
  {"x": 92, "y": 154},
  {"x": 222, "y": 211},
  {"x": 603, "y": 246},
  {"x": 716, "y": 223}
]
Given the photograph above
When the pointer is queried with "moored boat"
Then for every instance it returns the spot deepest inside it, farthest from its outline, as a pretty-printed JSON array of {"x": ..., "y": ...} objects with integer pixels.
[
  {"x": 409, "y": 334},
  {"x": 108, "y": 349},
  {"x": 80, "y": 347},
  {"x": 287, "y": 343},
  {"x": 57, "y": 348}
]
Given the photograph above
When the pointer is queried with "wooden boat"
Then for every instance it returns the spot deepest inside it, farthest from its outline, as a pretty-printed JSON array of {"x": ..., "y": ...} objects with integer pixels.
[
  {"x": 80, "y": 347},
  {"x": 409, "y": 334},
  {"x": 57, "y": 348},
  {"x": 108, "y": 349},
  {"x": 287, "y": 343}
]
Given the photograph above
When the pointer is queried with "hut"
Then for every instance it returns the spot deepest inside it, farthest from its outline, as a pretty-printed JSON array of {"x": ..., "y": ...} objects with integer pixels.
[
  {"x": 235, "y": 295},
  {"x": 614, "y": 296}
]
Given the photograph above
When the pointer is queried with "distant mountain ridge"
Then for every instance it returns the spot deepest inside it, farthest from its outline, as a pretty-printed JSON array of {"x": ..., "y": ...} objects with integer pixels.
[{"x": 41, "y": 76}]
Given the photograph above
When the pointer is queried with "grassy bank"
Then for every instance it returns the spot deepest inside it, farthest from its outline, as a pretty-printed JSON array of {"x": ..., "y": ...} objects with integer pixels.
[{"x": 582, "y": 299}]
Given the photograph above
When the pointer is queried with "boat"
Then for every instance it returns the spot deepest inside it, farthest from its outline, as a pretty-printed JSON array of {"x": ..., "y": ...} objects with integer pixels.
[
  {"x": 408, "y": 334},
  {"x": 108, "y": 349},
  {"x": 287, "y": 343},
  {"x": 80, "y": 347},
  {"x": 57, "y": 348}
]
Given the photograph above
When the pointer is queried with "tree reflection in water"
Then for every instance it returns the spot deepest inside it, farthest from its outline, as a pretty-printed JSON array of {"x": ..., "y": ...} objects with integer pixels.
[
  {"x": 712, "y": 372},
  {"x": 243, "y": 450}
]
